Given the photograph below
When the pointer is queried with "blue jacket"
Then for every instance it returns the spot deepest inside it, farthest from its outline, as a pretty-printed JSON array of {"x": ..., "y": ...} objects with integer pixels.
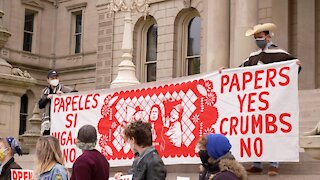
[{"x": 57, "y": 172}]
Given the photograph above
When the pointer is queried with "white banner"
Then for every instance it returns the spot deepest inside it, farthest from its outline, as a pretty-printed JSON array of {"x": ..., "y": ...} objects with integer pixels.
[
  {"x": 255, "y": 107},
  {"x": 21, "y": 174}
]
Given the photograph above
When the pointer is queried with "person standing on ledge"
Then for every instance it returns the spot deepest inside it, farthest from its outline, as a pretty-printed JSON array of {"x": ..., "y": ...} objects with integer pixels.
[{"x": 54, "y": 87}]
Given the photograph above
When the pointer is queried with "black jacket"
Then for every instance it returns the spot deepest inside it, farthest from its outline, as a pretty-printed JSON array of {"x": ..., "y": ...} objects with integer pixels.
[
  {"x": 225, "y": 168},
  {"x": 148, "y": 166},
  {"x": 6, "y": 170}
]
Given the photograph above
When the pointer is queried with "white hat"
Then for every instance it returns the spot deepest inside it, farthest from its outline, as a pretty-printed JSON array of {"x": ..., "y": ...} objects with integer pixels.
[{"x": 260, "y": 28}]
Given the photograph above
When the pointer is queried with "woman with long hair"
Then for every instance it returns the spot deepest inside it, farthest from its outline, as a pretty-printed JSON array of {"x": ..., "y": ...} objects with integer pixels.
[{"x": 50, "y": 162}]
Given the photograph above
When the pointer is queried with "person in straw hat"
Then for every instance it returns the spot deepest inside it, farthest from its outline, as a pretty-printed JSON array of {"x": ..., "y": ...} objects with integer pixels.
[{"x": 267, "y": 53}]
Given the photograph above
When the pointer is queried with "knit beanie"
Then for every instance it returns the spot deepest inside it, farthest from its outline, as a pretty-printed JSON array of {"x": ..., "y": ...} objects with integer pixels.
[
  {"x": 217, "y": 145},
  {"x": 87, "y": 137}
]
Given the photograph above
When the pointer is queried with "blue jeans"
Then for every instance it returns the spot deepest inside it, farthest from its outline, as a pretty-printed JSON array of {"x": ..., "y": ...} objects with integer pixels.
[{"x": 259, "y": 164}]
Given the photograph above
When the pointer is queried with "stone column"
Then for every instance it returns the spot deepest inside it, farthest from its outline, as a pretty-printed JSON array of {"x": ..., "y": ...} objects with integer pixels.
[
  {"x": 126, "y": 69},
  {"x": 306, "y": 43},
  {"x": 244, "y": 16},
  {"x": 217, "y": 42},
  {"x": 280, "y": 17},
  {"x": 105, "y": 40}
]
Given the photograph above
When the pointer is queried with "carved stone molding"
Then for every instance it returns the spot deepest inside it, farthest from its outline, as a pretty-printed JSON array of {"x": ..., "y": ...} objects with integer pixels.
[
  {"x": 77, "y": 6},
  {"x": 33, "y": 3}
]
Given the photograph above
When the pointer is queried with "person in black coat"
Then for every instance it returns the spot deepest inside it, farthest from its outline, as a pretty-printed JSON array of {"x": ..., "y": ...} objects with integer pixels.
[
  {"x": 218, "y": 162},
  {"x": 8, "y": 147},
  {"x": 147, "y": 164},
  {"x": 54, "y": 87}
]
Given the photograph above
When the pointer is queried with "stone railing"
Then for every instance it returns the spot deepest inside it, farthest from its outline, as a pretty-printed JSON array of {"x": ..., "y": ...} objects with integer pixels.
[{"x": 310, "y": 141}]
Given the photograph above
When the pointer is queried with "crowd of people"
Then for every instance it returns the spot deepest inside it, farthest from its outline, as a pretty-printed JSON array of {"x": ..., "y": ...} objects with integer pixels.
[{"x": 217, "y": 161}]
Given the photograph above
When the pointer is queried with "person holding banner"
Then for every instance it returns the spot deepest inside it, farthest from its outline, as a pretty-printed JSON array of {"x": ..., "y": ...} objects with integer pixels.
[
  {"x": 8, "y": 147},
  {"x": 148, "y": 164},
  {"x": 50, "y": 162},
  {"x": 217, "y": 160},
  {"x": 55, "y": 87},
  {"x": 91, "y": 165},
  {"x": 267, "y": 53}
]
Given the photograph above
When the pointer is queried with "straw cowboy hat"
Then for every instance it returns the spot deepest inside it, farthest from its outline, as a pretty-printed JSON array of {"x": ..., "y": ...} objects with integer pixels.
[{"x": 260, "y": 28}]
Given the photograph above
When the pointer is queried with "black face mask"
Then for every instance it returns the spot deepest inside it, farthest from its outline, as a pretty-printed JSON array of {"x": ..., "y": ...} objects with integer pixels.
[{"x": 204, "y": 156}]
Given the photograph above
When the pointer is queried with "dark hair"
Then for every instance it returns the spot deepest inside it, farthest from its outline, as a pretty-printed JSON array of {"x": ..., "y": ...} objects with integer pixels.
[
  {"x": 140, "y": 132},
  {"x": 52, "y": 73},
  {"x": 266, "y": 32},
  {"x": 87, "y": 134}
]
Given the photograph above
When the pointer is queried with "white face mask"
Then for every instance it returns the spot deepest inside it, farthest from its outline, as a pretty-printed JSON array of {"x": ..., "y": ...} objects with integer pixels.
[{"x": 54, "y": 82}]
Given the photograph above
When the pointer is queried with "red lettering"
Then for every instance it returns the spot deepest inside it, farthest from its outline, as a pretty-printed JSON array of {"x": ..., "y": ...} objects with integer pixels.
[
  {"x": 256, "y": 123},
  {"x": 271, "y": 127},
  {"x": 14, "y": 174},
  {"x": 20, "y": 175},
  {"x": 80, "y": 107},
  {"x": 25, "y": 175},
  {"x": 95, "y": 100},
  {"x": 257, "y": 79},
  {"x": 74, "y": 103},
  {"x": 68, "y": 102},
  {"x": 285, "y": 76},
  {"x": 245, "y": 147},
  {"x": 244, "y": 125},
  {"x": 233, "y": 125},
  {"x": 221, "y": 126},
  {"x": 69, "y": 155},
  {"x": 257, "y": 146},
  {"x": 71, "y": 119},
  {"x": 234, "y": 83},
  {"x": 56, "y": 103},
  {"x": 247, "y": 77},
  {"x": 265, "y": 101},
  {"x": 251, "y": 101},
  {"x": 65, "y": 138},
  {"x": 61, "y": 105},
  {"x": 224, "y": 81},
  {"x": 241, "y": 101},
  {"x": 271, "y": 74},
  {"x": 289, "y": 126},
  {"x": 87, "y": 101}
]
